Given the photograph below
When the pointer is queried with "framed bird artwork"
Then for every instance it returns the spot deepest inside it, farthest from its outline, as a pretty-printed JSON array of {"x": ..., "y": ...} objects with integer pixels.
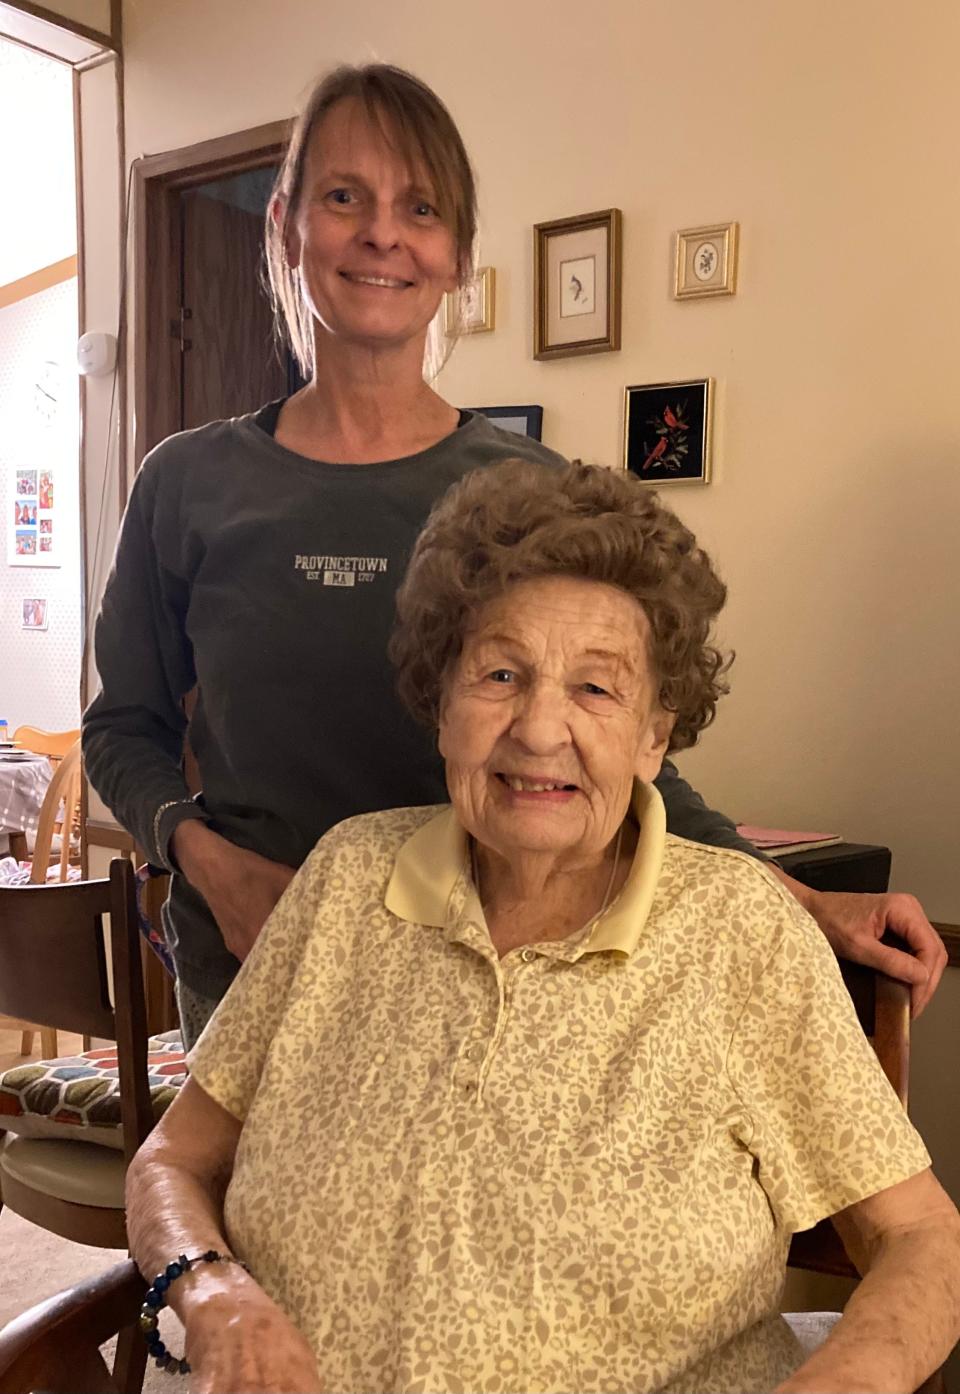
[
  {"x": 576, "y": 285},
  {"x": 667, "y": 430}
]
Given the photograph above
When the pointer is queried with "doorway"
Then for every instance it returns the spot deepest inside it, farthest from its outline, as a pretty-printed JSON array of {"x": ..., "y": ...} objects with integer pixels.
[{"x": 204, "y": 346}]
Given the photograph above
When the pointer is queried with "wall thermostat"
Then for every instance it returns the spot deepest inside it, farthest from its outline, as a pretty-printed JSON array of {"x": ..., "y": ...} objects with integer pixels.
[{"x": 96, "y": 354}]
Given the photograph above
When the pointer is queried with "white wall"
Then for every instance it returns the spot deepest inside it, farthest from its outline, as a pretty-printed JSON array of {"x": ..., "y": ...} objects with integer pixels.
[
  {"x": 36, "y": 96},
  {"x": 39, "y": 416},
  {"x": 39, "y": 431}
]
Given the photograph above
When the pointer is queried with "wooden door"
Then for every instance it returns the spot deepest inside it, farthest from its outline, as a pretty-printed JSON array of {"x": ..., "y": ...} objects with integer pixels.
[{"x": 229, "y": 362}]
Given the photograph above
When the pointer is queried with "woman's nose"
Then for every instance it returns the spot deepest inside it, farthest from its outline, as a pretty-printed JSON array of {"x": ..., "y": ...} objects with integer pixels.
[
  {"x": 540, "y": 723},
  {"x": 382, "y": 228}
]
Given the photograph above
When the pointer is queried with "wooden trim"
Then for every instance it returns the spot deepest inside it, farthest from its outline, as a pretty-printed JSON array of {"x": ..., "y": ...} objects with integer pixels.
[
  {"x": 32, "y": 48},
  {"x": 126, "y": 213},
  {"x": 116, "y": 24},
  {"x": 157, "y": 182},
  {"x": 73, "y": 26},
  {"x": 97, "y": 61},
  {"x": 82, "y": 422},
  {"x": 37, "y": 281},
  {"x": 950, "y": 934},
  {"x": 102, "y": 834},
  {"x": 220, "y": 156}
]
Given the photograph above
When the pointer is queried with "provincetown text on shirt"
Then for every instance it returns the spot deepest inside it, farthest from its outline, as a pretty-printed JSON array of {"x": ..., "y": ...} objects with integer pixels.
[{"x": 339, "y": 571}]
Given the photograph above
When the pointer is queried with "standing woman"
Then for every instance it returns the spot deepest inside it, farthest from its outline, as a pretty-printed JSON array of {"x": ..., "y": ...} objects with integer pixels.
[{"x": 259, "y": 557}]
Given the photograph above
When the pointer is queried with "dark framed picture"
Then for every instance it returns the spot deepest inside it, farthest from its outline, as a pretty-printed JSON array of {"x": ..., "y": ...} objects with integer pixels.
[
  {"x": 526, "y": 421},
  {"x": 666, "y": 433},
  {"x": 576, "y": 285}
]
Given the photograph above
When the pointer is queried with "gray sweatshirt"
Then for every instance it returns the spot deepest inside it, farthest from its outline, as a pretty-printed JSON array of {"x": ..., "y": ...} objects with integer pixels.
[{"x": 268, "y": 580}]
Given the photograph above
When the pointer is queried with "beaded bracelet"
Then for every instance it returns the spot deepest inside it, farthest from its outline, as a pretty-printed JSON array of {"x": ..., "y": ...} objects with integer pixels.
[{"x": 156, "y": 1300}]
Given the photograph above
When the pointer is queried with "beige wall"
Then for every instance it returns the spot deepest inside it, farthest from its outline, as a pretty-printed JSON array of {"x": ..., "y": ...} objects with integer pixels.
[
  {"x": 95, "y": 14},
  {"x": 828, "y": 131}
]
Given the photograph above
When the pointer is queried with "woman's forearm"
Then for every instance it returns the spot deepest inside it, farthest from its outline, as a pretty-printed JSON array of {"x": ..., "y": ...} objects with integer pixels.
[
  {"x": 172, "y": 1211},
  {"x": 901, "y": 1322},
  {"x": 236, "y": 1336}
]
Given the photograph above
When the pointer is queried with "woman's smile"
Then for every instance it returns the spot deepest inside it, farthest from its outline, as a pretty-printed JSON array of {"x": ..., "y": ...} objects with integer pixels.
[{"x": 537, "y": 789}]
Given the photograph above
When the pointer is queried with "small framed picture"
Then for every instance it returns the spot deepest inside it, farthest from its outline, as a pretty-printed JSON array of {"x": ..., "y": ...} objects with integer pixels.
[
  {"x": 707, "y": 261},
  {"x": 471, "y": 309},
  {"x": 667, "y": 427},
  {"x": 526, "y": 421},
  {"x": 34, "y": 614},
  {"x": 576, "y": 274}
]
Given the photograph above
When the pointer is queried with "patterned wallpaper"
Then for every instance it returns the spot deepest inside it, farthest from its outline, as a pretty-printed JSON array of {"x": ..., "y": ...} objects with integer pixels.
[{"x": 39, "y": 435}]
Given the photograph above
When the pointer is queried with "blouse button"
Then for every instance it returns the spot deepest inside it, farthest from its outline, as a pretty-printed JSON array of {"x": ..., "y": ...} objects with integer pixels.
[{"x": 528, "y": 955}]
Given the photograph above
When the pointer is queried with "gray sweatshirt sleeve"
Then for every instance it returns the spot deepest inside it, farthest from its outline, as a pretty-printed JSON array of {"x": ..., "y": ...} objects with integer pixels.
[
  {"x": 688, "y": 816},
  {"x": 133, "y": 730}
]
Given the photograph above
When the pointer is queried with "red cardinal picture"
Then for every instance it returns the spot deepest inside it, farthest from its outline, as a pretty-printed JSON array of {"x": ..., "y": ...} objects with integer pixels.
[{"x": 667, "y": 431}]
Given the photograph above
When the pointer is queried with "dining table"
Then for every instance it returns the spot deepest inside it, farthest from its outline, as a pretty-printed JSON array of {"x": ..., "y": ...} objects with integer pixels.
[{"x": 24, "y": 780}]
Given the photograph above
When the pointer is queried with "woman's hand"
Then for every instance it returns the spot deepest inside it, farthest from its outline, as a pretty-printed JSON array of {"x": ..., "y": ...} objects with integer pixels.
[
  {"x": 238, "y": 1338},
  {"x": 240, "y": 887},
  {"x": 854, "y": 925}
]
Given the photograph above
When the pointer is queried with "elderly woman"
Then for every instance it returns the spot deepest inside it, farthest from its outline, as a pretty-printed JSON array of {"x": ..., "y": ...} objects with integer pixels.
[{"x": 523, "y": 1093}]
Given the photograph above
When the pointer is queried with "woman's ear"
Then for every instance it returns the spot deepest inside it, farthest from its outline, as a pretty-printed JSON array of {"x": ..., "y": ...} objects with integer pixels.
[{"x": 654, "y": 742}]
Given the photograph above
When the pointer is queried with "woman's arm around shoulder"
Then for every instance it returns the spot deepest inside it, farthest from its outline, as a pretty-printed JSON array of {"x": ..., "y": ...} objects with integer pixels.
[{"x": 236, "y": 1336}]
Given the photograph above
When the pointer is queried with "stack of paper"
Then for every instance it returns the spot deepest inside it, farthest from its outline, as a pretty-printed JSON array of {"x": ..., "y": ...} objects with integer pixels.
[{"x": 780, "y": 841}]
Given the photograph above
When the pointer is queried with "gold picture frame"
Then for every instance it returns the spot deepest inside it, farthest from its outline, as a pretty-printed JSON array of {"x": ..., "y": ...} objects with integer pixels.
[
  {"x": 577, "y": 285},
  {"x": 471, "y": 308},
  {"x": 706, "y": 261},
  {"x": 668, "y": 431}
]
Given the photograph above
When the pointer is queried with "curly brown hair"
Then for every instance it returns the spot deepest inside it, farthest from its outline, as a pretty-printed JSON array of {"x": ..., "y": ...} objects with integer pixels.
[{"x": 517, "y": 520}]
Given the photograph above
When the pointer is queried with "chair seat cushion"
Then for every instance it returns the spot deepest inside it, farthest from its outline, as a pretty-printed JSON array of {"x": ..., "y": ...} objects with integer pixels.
[
  {"x": 71, "y": 1171},
  {"x": 78, "y": 1096}
]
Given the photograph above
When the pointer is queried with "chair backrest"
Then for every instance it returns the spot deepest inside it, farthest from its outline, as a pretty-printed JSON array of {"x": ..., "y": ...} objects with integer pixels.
[
  {"x": 883, "y": 1010},
  {"x": 53, "y": 743},
  {"x": 53, "y": 971},
  {"x": 64, "y": 789}
]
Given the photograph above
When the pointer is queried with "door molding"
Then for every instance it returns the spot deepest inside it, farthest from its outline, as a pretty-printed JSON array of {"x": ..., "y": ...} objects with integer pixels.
[{"x": 158, "y": 181}]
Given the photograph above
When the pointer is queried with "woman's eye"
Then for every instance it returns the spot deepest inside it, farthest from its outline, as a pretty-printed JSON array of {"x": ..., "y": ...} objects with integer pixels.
[
  {"x": 501, "y": 675},
  {"x": 340, "y": 196},
  {"x": 593, "y": 690},
  {"x": 422, "y": 209}
]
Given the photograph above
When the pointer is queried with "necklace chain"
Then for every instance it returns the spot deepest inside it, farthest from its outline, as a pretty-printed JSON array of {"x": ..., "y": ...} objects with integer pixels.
[{"x": 475, "y": 868}]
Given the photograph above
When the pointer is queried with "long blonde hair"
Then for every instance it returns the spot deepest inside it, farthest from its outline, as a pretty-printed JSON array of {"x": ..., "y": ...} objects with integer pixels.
[{"x": 418, "y": 125}]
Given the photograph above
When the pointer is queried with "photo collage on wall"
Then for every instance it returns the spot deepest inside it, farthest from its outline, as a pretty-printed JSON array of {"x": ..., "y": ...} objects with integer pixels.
[{"x": 32, "y": 519}]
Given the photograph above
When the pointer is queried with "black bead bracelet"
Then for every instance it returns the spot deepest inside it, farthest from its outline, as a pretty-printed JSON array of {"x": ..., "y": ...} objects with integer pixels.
[{"x": 156, "y": 1300}]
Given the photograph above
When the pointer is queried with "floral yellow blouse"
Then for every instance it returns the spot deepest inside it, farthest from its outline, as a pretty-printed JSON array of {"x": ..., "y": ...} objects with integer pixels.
[{"x": 575, "y": 1168}]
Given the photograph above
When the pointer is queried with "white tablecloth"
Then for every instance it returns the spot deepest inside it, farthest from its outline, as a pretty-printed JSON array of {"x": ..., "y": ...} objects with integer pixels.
[{"x": 23, "y": 784}]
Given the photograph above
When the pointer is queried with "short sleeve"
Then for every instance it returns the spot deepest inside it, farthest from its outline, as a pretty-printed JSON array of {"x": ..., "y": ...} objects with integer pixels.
[
  {"x": 820, "y": 1117},
  {"x": 228, "y": 1059}
]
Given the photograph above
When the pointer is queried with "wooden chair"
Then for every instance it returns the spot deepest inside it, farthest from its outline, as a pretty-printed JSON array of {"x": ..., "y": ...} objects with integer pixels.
[
  {"x": 54, "y": 744},
  {"x": 64, "y": 789},
  {"x": 53, "y": 969},
  {"x": 55, "y": 1346}
]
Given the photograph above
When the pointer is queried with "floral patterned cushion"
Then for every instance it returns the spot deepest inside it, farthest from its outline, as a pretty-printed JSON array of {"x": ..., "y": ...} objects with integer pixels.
[{"x": 78, "y": 1096}]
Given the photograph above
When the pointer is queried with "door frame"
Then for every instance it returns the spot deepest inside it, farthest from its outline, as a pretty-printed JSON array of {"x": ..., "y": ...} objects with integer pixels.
[{"x": 158, "y": 181}]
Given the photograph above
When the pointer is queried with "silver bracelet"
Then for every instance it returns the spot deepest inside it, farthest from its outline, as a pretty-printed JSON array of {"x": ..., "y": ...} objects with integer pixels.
[{"x": 171, "y": 803}]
